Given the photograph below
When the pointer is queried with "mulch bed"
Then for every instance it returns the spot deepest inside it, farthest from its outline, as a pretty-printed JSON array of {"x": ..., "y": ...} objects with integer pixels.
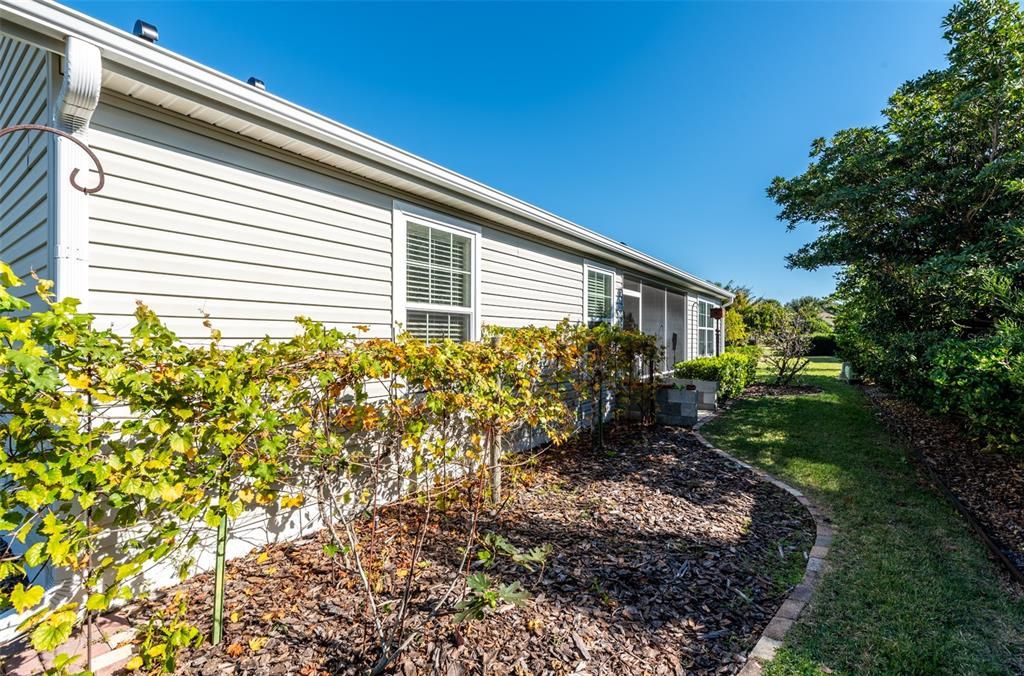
[
  {"x": 666, "y": 559},
  {"x": 762, "y": 390},
  {"x": 990, "y": 484}
]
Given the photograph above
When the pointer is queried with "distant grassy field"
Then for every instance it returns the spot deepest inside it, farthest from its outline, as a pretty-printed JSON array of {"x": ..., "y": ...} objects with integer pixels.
[{"x": 909, "y": 590}]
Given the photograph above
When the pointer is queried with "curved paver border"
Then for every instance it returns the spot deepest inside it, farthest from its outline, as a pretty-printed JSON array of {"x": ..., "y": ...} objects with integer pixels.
[{"x": 790, "y": 610}]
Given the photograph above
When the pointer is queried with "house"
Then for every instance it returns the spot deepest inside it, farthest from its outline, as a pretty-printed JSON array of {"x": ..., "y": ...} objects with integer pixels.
[{"x": 219, "y": 198}]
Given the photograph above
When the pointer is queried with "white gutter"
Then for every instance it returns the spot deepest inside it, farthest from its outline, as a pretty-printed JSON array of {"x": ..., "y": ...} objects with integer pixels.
[{"x": 56, "y": 22}]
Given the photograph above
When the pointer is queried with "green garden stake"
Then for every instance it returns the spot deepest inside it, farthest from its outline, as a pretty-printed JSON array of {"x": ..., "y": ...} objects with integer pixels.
[{"x": 218, "y": 583}]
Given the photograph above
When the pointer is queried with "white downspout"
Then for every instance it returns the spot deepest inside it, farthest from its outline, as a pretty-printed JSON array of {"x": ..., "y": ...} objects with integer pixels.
[{"x": 76, "y": 102}]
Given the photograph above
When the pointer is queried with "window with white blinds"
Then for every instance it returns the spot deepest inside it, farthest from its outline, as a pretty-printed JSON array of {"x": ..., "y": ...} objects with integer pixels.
[
  {"x": 439, "y": 283},
  {"x": 599, "y": 297},
  {"x": 705, "y": 330}
]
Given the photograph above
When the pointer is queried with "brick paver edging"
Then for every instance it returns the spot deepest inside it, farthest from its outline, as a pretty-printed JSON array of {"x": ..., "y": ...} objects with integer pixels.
[{"x": 771, "y": 639}]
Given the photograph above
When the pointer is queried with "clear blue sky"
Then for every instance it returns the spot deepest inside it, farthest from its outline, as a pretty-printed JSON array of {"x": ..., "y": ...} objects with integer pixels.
[{"x": 659, "y": 125}]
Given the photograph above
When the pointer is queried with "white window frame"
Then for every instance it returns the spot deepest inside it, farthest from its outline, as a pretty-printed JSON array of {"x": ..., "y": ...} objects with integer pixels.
[
  {"x": 713, "y": 342},
  {"x": 605, "y": 270},
  {"x": 402, "y": 214}
]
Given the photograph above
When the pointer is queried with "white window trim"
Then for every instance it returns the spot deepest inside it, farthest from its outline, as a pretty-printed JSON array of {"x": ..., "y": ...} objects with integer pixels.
[
  {"x": 402, "y": 213},
  {"x": 713, "y": 328},
  {"x": 603, "y": 269}
]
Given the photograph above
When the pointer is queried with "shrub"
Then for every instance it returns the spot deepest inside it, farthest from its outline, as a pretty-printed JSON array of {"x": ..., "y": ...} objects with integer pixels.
[
  {"x": 786, "y": 348},
  {"x": 215, "y": 430},
  {"x": 731, "y": 371},
  {"x": 753, "y": 355},
  {"x": 982, "y": 382},
  {"x": 822, "y": 345}
]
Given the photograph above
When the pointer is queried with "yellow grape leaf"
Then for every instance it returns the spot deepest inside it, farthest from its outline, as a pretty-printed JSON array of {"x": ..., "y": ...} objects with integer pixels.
[
  {"x": 22, "y": 599},
  {"x": 262, "y": 558},
  {"x": 80, "y": 381},
  {"x": 158, "y": 426},
  {"x": 7, "y": 276},
  {"x": 158, "y": 650},
  {"x": 292, "y": 501},
  {"x": 169, "y": 493},
  {"x": 134, "y": 663},
  {"x": 234, "y": 616},
  {"x": 255, "y": 644},
  {"x": 401, "y": 572},
  {"x": 97, "y": 601}
]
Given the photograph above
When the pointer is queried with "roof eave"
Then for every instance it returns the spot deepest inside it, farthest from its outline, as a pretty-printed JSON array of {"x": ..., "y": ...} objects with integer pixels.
[{"x": 53, "y": 21}]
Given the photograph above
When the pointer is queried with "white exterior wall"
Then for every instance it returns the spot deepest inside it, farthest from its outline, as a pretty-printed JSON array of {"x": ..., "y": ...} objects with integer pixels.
[
  {"x": 523, "y": 282},
  {"x": 194, "y": 220},
  {"x": 24, "y": 163},
  {"x": 192, "y": 223}
]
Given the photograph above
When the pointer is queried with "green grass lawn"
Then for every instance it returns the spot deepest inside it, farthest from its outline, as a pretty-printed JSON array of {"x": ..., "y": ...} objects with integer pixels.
[{"x": 909, "y": 589}]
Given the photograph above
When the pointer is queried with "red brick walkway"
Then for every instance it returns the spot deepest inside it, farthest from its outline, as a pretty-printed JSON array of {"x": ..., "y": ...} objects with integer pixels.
[{"x": 111, "y": 648}]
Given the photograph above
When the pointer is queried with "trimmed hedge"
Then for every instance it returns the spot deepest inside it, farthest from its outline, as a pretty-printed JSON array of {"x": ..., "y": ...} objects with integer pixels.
[
  {"x": 753, "y": 354},
  {"x": 981, "y": 380},
  {"x": 732, "y": 371},
  {"x": 822, "y": 345}
]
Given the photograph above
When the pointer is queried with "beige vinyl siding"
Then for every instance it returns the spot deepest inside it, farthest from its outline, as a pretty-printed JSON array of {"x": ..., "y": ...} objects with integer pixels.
[
  {"x": 24, "y": 164},
  {"x": 192, "y": 222},
  {"x": 524, "y": 282}
]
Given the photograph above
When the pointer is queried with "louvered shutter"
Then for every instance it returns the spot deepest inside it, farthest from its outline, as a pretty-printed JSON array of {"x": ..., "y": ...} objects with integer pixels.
[
  {"x": 599, "y": 297},
  {"x": 436, "y": 326},
  {"x": 438, "y": 272}
]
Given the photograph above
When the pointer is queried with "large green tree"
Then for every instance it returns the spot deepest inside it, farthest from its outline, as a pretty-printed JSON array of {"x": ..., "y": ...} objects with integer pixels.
[{"x": 925, "y": 214}]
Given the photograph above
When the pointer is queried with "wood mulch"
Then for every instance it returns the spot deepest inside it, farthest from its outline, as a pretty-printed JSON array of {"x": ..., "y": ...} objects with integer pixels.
[
  {"x": 666, "y": 559},
  {"x": 990, "y": 484},
  {"x": 758, "y": 390}
]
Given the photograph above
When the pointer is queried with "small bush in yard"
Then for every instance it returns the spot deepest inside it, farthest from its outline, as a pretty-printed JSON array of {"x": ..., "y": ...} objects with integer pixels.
[
  {"x": 982, "y": 380},
  {"x": 753, "y": 355},
  {"x": 788, "y": 346},
  {"x": 730, "y": 370},
  {"x": 822, "y": 345}
]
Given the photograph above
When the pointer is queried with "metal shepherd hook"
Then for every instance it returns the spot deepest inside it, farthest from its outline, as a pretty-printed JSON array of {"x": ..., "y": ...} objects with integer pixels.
[{"x": 76, "y": 141}]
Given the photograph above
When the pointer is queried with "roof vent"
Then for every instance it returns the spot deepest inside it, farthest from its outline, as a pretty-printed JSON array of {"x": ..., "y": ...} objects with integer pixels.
[
  {"x": 146, "y": 31},
  {"x": 257, "y": 83}
]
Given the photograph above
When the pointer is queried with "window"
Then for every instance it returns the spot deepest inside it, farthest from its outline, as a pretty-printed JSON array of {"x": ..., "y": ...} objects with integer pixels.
[
  {"x": 435, "y": 298},
  {"x": 705, "y": 330},
  {"x": 599, "y": 296},
  {"x": 652, "y": 317}
]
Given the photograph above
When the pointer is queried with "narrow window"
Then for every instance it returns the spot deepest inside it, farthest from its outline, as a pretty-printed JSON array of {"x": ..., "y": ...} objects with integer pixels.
[
  {"x": 439, "y": 283},
  {"x": 599, "y": 297},
  {"x": 705, "y": 330}
]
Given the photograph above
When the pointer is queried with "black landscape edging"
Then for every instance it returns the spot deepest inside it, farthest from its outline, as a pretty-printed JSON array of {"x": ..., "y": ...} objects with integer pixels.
[{"x": 995, "y": 546}]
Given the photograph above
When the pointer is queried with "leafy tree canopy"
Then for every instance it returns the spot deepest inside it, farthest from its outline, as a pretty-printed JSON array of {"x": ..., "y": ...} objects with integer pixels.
[{"x": 925, "y": 213}]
